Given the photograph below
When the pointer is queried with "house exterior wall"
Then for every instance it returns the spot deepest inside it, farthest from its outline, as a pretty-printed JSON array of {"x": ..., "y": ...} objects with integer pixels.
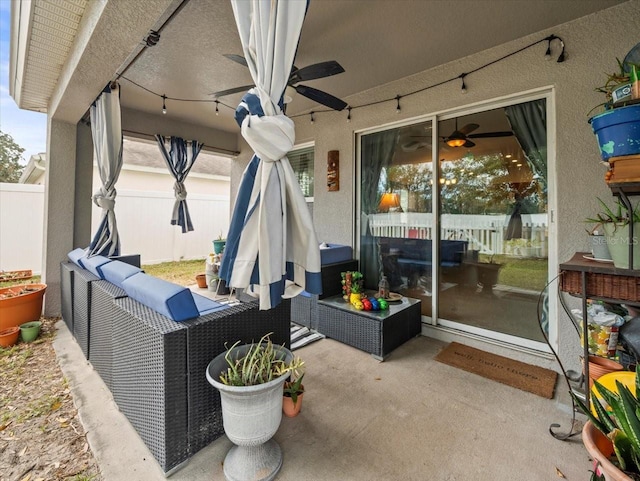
[
  {"x": 592, "y": 45},
  {"x": 145, "y": 179}
]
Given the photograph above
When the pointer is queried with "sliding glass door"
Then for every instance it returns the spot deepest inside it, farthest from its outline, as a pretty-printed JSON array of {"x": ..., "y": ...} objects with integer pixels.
[{"x": 468, "y": 236}]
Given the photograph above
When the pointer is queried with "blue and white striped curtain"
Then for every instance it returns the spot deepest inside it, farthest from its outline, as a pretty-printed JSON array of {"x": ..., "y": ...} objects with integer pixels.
[
  {"x": 179, "y": 157},
  {"x": 106, "y": 129},
  {"x": 272, "y": 249}
]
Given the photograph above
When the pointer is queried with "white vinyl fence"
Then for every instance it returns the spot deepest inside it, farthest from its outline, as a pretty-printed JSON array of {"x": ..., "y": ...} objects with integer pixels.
[
  {"x": 21, "y": 226},
  {"x": 144, "y": 224},
  {"x": 485, "y": 233}
]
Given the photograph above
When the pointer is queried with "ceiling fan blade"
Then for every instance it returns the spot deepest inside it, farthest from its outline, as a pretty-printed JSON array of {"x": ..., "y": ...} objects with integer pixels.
[
  {"x": 467, "y": 129},
  {"x": 236, "y": 58},
  {"x": 468, "y": 144},
  {"x": 234, "y": 90},
  {"x": 490, "y": 135},
  {"x": 321, "y": 97},
  {"x": 315, "y": 71}
]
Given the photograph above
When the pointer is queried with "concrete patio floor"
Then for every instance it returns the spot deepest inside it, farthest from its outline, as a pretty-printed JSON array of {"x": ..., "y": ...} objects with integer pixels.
[{"x": 409, "y": 418}]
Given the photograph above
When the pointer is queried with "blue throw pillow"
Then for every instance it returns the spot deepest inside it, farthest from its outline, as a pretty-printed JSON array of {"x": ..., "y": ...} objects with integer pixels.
[
  {"x": 117, "y": 271},
  {"x": 171, "y": 300},
  {"x": 76, "y": 256},
  {"x": 93, "y": 264}
]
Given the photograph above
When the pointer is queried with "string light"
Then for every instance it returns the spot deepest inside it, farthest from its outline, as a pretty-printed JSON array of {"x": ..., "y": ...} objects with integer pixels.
[
  {"x": 547, "y": 55},
  {"x": 561, "y": 58},
  {"x": 152, "y": 39}
]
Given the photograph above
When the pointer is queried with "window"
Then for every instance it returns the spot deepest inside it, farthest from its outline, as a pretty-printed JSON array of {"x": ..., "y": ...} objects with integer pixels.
[{"x": 301, "y": 161}]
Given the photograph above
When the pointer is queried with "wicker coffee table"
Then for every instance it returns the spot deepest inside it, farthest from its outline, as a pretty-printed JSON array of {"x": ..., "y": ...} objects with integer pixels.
[{"x": 375, "y": 332}]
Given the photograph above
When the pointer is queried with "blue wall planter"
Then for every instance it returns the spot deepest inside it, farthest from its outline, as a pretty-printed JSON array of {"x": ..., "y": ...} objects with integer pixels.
[{"x": 618, "y": 131}]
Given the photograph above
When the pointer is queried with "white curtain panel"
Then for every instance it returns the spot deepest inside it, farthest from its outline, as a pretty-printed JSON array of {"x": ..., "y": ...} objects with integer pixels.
[
  {"x": 106, "y": 129},
  {"x": 272, "y": 249}
]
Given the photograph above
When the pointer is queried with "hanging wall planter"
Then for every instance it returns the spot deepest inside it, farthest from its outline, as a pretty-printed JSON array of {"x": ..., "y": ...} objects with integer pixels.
[{"x": 20, "y": 304}]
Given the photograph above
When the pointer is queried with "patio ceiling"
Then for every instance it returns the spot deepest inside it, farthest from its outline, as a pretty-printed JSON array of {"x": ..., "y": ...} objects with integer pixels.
[{"x": 376, "y": 41}]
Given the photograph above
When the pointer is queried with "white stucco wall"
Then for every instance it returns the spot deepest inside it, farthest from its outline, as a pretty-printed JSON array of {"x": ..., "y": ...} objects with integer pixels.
[{"x": 592, "y": 45}]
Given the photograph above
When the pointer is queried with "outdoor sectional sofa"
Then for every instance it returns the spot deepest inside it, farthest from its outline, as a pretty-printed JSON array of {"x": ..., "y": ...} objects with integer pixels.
[{"x": 151, "y": 341}]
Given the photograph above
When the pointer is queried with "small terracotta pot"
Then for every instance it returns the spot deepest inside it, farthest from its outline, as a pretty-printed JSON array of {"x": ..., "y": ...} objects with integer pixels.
[
  {"x": 600, "y": 448},
  {"x": 599, "y": 366},
  {"x": 288, "y": 408},
  {"x": 201, "y": 279},
  {"x": 8, "y": 337}
]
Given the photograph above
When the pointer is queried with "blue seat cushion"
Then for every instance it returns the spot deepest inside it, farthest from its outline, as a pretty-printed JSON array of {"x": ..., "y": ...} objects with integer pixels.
[
  {"x": 206, "y": 305},
  {"x": 93, "y": 264},
  {"x": 117, "y": 271},
  {"x": 77, "y": 256},
  {"x": 333, "y": 253},
  {"x": 171, "y": 300}
]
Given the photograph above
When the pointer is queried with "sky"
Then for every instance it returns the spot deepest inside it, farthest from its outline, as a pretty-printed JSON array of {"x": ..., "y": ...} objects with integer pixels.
[{"x": 28, "y": 129}]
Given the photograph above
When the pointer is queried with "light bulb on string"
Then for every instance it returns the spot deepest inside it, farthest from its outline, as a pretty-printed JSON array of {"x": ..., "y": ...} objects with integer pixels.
[
  {"x": 217, "y": 109},
  {"x": 312, "y": 119},
  {"x": 349, "y": 114},
  {"x": 398, "y": 97},
  {"x": 561, "y": 57},
  {"x": 463, "y": 88},
  {"x": 164, "y": 104}
]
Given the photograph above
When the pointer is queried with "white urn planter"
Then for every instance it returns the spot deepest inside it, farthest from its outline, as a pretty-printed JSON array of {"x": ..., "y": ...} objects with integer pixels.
[{"x": 251, "y": 416}]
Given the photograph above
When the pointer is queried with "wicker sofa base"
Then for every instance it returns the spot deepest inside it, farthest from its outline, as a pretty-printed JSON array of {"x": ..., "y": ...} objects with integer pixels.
[
  {"x": 67, "y": 270},
  {"x": 375, "y": 333},
  {"x": 159, "y": 367}
]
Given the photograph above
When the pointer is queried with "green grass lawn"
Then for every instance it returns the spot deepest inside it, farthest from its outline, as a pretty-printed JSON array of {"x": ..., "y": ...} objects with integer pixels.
[
  {"x": 182, "y": 272},
  {"x": 528, "y": 274}
]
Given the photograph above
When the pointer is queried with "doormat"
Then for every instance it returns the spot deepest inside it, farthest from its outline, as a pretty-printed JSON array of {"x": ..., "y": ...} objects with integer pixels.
[{"x": 533, "y": 379}]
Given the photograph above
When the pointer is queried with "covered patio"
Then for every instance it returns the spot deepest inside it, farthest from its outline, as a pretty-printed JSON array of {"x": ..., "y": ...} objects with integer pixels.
[
  {"x": 413, "y": 67},
  {"x": 409, "y": 417}
]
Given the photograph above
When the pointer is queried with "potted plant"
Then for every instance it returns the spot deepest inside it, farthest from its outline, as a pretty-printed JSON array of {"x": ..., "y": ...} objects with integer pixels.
[
  {"x": 20, "y": 304},
  {"x": 615, "y": 223},
  {"x": 612, "y": 434},
  {"x": 250, "y": 379},
  {"x": 617, "y": 129},
  {"x": 219, "y": 243},
  {"x": 292, "y": 400}
]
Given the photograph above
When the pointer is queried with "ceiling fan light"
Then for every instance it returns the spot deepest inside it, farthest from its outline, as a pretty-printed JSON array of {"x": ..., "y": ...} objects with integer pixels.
[{"x": 456, "y": 139}]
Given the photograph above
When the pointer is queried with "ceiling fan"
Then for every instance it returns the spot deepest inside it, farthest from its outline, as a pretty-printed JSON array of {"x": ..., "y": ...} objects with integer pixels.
[
  {"x": 310, "y": 72},
  {"x": 460, "y": 137}
]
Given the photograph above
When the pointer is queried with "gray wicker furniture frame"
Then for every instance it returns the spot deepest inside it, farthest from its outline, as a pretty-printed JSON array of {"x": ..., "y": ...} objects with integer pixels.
[
  {"x": 103, "y": 293},
  {"x": 159, "y": 366},
  {"x": 82, "y": 280},
  {"x": 67, "y": 269},
  {"x": 375, "y": 332},
  {"x": 304, "y": 310}
]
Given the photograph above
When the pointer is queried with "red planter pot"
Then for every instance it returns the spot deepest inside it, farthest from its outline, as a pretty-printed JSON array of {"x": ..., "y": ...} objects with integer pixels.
[{"x": 23, "y": 307}]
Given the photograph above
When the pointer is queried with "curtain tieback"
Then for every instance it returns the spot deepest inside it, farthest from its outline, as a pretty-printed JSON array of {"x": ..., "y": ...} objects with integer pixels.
[
  {"x": 180, "y": 191},
  {"x": 105, "y": 200},
  {"x": 270, "y": 136}
]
